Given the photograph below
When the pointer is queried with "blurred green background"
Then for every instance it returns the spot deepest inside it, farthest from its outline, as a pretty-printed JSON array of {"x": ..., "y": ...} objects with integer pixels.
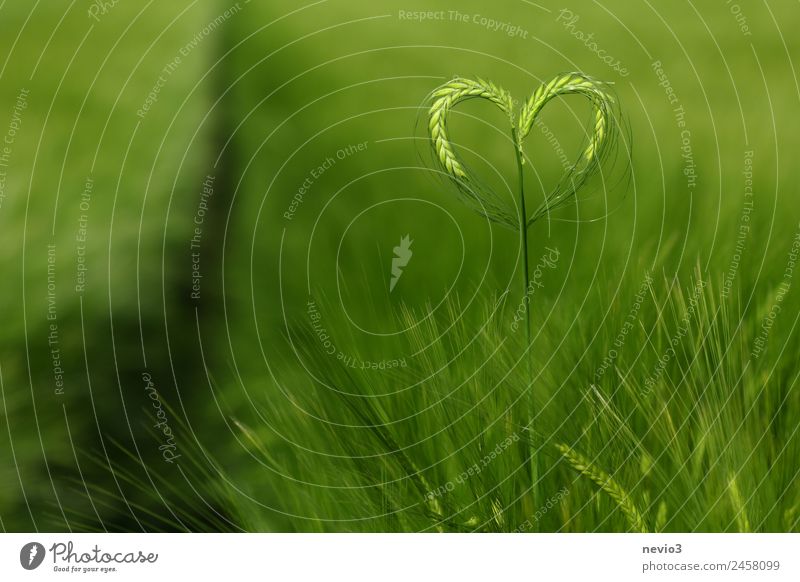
[{"x": 151, "y": 103}]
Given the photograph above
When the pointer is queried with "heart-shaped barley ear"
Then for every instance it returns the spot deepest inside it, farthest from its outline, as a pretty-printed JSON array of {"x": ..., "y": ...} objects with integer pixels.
[
  {"x": 498, "y": 208},
  {"x": 602, "y": 134},
  {"x": 599, "y": 145},
  {"x": 480, "y": 198}
]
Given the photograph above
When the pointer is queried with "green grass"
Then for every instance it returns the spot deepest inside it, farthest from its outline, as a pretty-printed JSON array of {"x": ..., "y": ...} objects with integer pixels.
[
  {"x": 85, "y": 87},
  {"x": 714, "y": 434},
  {"x": 276, "y": 434},
  {"x": 710, "y": 445}
]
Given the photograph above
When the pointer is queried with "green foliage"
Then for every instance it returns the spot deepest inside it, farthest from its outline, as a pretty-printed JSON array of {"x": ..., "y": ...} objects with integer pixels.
[
  {"x": 433, "y": 447},
  {"x": 275, "y": 433}
]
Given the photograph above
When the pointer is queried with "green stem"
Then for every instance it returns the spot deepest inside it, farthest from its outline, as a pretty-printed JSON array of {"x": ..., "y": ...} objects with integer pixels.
[{"x": 531, "y": 454}]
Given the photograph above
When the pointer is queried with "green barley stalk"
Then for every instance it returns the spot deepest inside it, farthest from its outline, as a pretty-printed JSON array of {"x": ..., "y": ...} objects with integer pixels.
[
  {"x": 611, "y": 488},
  {"x": 497, "y": 208},
  {"x": 739, "y": 506},
  {"x": 661, "y": 517}
]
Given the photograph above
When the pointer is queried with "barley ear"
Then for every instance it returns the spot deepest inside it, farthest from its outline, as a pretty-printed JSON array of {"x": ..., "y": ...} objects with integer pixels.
[
  {"x": 443, "y": 99},
  {"x": 602, "y": 132},
  {"x": 603, "y": 480},
  {"x": 742, "y": 521}
]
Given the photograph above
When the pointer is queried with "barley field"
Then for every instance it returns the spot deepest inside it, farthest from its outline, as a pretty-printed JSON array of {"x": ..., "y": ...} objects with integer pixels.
[{"x": 343, "y": 266}]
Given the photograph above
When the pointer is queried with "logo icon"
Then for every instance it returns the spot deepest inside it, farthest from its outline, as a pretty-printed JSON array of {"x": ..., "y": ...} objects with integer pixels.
[
  {"x": 31, "y": 555},
  {"x": 402, "y": 254}
]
